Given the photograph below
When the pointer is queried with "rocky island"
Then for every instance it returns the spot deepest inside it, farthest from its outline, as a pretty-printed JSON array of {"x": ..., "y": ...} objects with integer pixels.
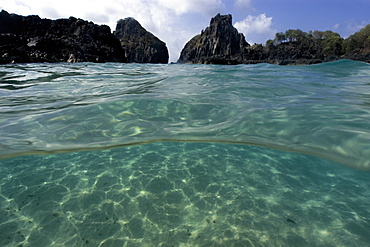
[
  {"x": 29, "y": 39},
  {"x": 140, "y": 45},
  {"x": 220, "y": 43}
]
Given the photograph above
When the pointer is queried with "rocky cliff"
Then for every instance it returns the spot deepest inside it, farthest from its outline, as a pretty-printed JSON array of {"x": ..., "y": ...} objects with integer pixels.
[
  {"x": 221, "y": 43},
  {"x": 218, "y": 43},
  {"x": 32, "y": 39},
  {"x": 140, "y": 45}
]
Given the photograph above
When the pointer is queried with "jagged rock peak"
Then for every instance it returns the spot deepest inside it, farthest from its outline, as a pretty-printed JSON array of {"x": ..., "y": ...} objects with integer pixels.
[
  {"x": 218, "y": 43},
  {"x": 140, "y": 45},
  {"x": 222, "y": 19},
  {"x": 128, "y": 27}
]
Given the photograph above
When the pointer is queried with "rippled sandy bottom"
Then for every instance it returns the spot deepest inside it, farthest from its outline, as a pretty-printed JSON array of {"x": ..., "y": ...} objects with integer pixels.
[{"x": 182, "y": 194}]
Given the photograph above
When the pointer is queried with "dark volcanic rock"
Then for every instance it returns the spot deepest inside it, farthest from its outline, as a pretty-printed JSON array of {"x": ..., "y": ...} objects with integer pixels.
[
  {"x": 304, "y": 52},
  {"x": 32, "y": 39},
  {"x": 363, "y": 57},
  {"x": 218, "y": 43},
  {"x": 140, "y": 45}
]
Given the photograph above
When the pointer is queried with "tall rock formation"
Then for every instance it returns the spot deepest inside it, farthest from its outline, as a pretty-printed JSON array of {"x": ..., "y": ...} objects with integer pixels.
[
  {"x": 140, "y": 45},
  {"x": 32, "y": 39},
  {"x": 218, "y": 43}
]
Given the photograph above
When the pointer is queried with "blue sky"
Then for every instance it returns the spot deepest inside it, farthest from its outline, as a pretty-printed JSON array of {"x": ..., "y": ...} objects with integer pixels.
[{"x": 177, "y": 21}]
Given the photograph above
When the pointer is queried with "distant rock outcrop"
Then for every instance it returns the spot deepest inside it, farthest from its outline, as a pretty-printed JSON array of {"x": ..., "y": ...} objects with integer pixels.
[
  {"x": 140, "y": 45},
  {"x": 32, "y": 39},
  {"x": 218, "y": 43}
]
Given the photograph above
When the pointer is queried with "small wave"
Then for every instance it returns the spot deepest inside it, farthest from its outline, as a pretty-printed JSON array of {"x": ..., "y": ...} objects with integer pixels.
[{"x": 306, "y": 109}]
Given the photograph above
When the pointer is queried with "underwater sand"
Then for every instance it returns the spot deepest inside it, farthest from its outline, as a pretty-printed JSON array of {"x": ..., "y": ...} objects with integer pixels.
[{"x": 182, "y": 194}]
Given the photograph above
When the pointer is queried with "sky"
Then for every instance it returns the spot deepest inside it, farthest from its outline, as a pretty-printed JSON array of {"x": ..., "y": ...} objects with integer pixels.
[{"x": 176, "y": 21}]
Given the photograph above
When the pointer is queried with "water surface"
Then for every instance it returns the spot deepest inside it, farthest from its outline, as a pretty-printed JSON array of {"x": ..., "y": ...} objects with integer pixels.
[
  {"x": 184, "y": 155},
  {"x": 322, "y": 109}
]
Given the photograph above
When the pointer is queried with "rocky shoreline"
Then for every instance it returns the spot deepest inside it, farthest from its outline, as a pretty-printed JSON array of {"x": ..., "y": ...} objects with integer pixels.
[{"x": 30, "y": 39}]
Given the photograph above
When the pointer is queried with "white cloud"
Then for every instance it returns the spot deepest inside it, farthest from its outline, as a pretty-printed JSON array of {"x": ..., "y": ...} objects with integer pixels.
[
  {"x": 355, "y": 27},
  {"x": 243, "y": 3},
  {"x": 257, "y": 29},
  {"x": 49, "y": 11},
  {"x": 196, "y": 6}
]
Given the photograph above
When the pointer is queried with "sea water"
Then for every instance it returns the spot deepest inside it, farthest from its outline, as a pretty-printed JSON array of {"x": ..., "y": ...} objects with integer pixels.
[{"x": 185, "y": 155}]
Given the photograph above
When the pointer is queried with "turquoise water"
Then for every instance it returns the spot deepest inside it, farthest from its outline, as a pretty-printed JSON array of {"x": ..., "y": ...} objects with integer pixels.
[{"x": 184, "y": 155}]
